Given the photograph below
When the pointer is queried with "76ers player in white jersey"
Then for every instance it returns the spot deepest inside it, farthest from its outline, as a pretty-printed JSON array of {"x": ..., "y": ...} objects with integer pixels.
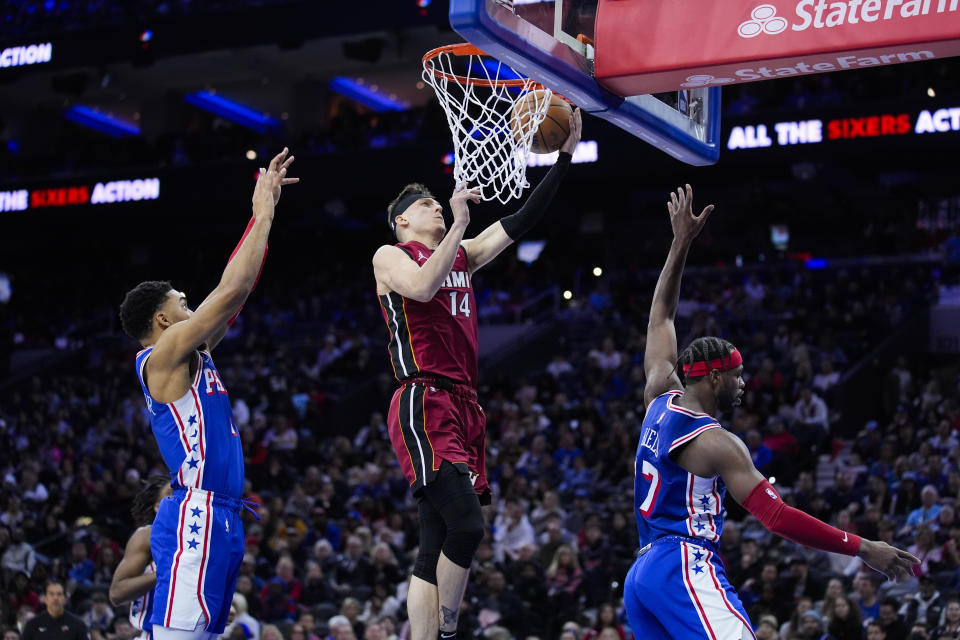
[
  {"x": 136, "y": 575},
  {"x": 686, "y": 461},
  {"x": 197, "y": 537}
]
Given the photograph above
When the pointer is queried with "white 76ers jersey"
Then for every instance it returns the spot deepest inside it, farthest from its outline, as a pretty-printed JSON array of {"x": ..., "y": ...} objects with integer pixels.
[
  {"x": 669, "y": 500},
  {"x": 142, "y": 607}
]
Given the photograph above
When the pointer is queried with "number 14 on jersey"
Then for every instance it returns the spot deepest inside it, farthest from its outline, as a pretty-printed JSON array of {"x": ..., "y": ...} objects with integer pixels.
[{"x": 463, "y": 308}]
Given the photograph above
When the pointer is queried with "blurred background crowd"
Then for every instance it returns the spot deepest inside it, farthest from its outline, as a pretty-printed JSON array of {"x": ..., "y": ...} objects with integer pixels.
[{"x": 834, "y": 270}]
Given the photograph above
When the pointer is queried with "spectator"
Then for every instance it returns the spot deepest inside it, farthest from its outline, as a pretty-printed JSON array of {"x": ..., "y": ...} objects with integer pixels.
[
  {"x": 374, "y": 631},
  {"x": 350, "y": 609},
  {"x": 512, "y": 530},
  {"x": 827, "y": 378},
  {"x": 950, "y": 622},
  {"x": 297, "y": 632},
  {"x": 385, "y": 567},
  {"x": 13, "y": 515},
  {"x": 810, "y": 410},
  {"x": 502, "y": 601},
  {"x": 919, "y": 631},
  {"x": 381, "y": 603},
  {"x": 945, "y": 441},
  {"x": 270, "y": 632},
  {"x": 925, "y": 548},
  {"x": 83, "y": 570},
  {"x": 19, "y": 556},
  {"x": 570, "y": 631},
  {"x": 243, "y": 619},
  {"x": 340, "y": 629},
  {"x": 353, "y": 566},
  {"x": 607, "y": 618},
  {"x": 890, "y": 621},
  {"x": 792, "y": 626},
  {"x": 550, "y": 505},
  {"x": 278, "y": 605},
  {"x": 317, "y": 587},
  {"x": 766, "y": 628},
  {"x": 564, "y": 579},
  {"x": 22, "y": 595},
  {"x": 801, "y": 581},
  {"x": 595, "y": 561},
  {"x": 32, "y": 490},
  {"x": 607, "y": 358},
  {"x": 926, "y": 512},
  {"x": 875, "y": 631},
  {"x": 559, "y": 366},
  {"x": 760, "y": 453},
  {"x": 925, "y": 606},
  {"x": 844, "y": 620},
  {"x": 100, "y": 616},
  {"x": 811, "y": 625},
  {"x": 865, "y": 595},
  {"x": 833, "y": 591},
  {"x": 122, "y": 629},
  {"x": 55, "y": 622}
]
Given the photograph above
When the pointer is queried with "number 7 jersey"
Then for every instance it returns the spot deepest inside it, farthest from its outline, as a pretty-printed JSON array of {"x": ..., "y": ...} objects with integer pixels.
[
  {"x": 437, "y": 337},
  {"x": 668, "y": 499}
]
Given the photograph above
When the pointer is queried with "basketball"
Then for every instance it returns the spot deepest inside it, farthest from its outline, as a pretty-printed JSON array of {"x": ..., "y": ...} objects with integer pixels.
[{"x": 555, "y": 126}]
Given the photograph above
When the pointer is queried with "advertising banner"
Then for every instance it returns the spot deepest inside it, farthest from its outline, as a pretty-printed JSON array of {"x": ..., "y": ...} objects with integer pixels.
[{"x": 648, "y": 46}]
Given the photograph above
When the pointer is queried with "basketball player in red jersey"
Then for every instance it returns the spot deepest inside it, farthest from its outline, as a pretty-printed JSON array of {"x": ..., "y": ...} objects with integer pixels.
[{"x": 437, "y": 428}]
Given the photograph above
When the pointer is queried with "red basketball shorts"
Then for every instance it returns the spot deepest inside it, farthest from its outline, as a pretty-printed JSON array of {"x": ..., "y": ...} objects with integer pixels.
[{"x": 428, "y": 425}]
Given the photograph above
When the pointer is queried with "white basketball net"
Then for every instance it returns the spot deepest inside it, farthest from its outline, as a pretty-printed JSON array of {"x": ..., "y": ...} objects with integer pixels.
[{"x": 479, "y": 95}]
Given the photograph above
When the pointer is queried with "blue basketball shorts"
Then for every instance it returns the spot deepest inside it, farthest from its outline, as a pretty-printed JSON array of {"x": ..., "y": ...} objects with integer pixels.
[
  {"x": 678, "y": 588},
  {"x": 197, "y": 543}
]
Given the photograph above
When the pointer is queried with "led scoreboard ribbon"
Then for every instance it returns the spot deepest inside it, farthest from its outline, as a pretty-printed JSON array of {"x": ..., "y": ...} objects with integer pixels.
[{"x": 80, "y": 194}]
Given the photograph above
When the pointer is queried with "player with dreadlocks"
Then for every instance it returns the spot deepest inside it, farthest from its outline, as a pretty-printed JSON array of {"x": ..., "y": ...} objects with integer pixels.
[
  {"x": 135, "y": 576},
  {"x": 686, "y": 461}
]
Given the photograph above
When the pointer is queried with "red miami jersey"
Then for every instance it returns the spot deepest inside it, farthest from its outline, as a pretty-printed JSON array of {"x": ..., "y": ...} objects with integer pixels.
[{"x": 438, "y": 337}]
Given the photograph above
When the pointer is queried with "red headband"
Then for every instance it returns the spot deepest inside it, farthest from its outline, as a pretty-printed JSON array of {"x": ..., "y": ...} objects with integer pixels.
[{"x": 703, "y": 367}]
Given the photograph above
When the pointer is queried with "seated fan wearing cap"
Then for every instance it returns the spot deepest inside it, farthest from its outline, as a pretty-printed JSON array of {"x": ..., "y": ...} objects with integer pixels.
[{"x": 686, "y": 461}]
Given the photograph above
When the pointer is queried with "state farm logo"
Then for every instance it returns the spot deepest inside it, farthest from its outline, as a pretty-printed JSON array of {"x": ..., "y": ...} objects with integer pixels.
[{"x": 763, "y": 19}]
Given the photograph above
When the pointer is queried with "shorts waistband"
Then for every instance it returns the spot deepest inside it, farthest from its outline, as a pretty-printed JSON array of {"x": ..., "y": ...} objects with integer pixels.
[
  {"x": 445, "y": 384},
  {"x": 699, "y": 542},
  {"x": 219, "y": 499}
]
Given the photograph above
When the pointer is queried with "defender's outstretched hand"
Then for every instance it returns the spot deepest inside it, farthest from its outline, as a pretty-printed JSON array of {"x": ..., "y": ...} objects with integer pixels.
[
  {"x": 685, "y": 225},
  {"x": 890, "y": 561},
  {"x": 270, "y": 182},
  {"x": 576, "y": 126}
]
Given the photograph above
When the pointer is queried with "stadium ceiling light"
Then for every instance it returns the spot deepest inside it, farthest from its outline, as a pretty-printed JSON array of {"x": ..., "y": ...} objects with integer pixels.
[
  {"x": 87, "y": 117},
  {"x": 233, "y": 111},
  {"x": 358, "y": 92}
]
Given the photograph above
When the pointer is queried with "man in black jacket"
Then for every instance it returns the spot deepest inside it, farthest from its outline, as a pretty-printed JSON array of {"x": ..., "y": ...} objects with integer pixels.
[
  {"x": 54, "y": 622},
  {"x": 924, "y": 607}
]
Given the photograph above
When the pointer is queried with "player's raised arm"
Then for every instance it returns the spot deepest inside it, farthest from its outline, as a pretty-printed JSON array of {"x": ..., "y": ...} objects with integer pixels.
[
  {"x": 129, "y": 580},
  {"x": 718, "y": 451},
  {"x": 498, "y": 236},
  {"x": 660, "y": 357},
  {"x": 179, "y": 341},
  {"x": 394, "y": 269}
]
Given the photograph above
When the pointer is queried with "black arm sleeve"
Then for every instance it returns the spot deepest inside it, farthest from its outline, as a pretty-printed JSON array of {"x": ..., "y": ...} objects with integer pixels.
[{"x": 536, "y": 205}]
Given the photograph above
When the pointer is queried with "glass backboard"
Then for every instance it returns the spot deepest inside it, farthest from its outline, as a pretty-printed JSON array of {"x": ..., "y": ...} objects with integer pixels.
[{"x": 551, "y": 42}]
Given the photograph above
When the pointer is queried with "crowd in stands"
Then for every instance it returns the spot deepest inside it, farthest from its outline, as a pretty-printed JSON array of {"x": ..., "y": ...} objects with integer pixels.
[{"x": 331, "y": 554}]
